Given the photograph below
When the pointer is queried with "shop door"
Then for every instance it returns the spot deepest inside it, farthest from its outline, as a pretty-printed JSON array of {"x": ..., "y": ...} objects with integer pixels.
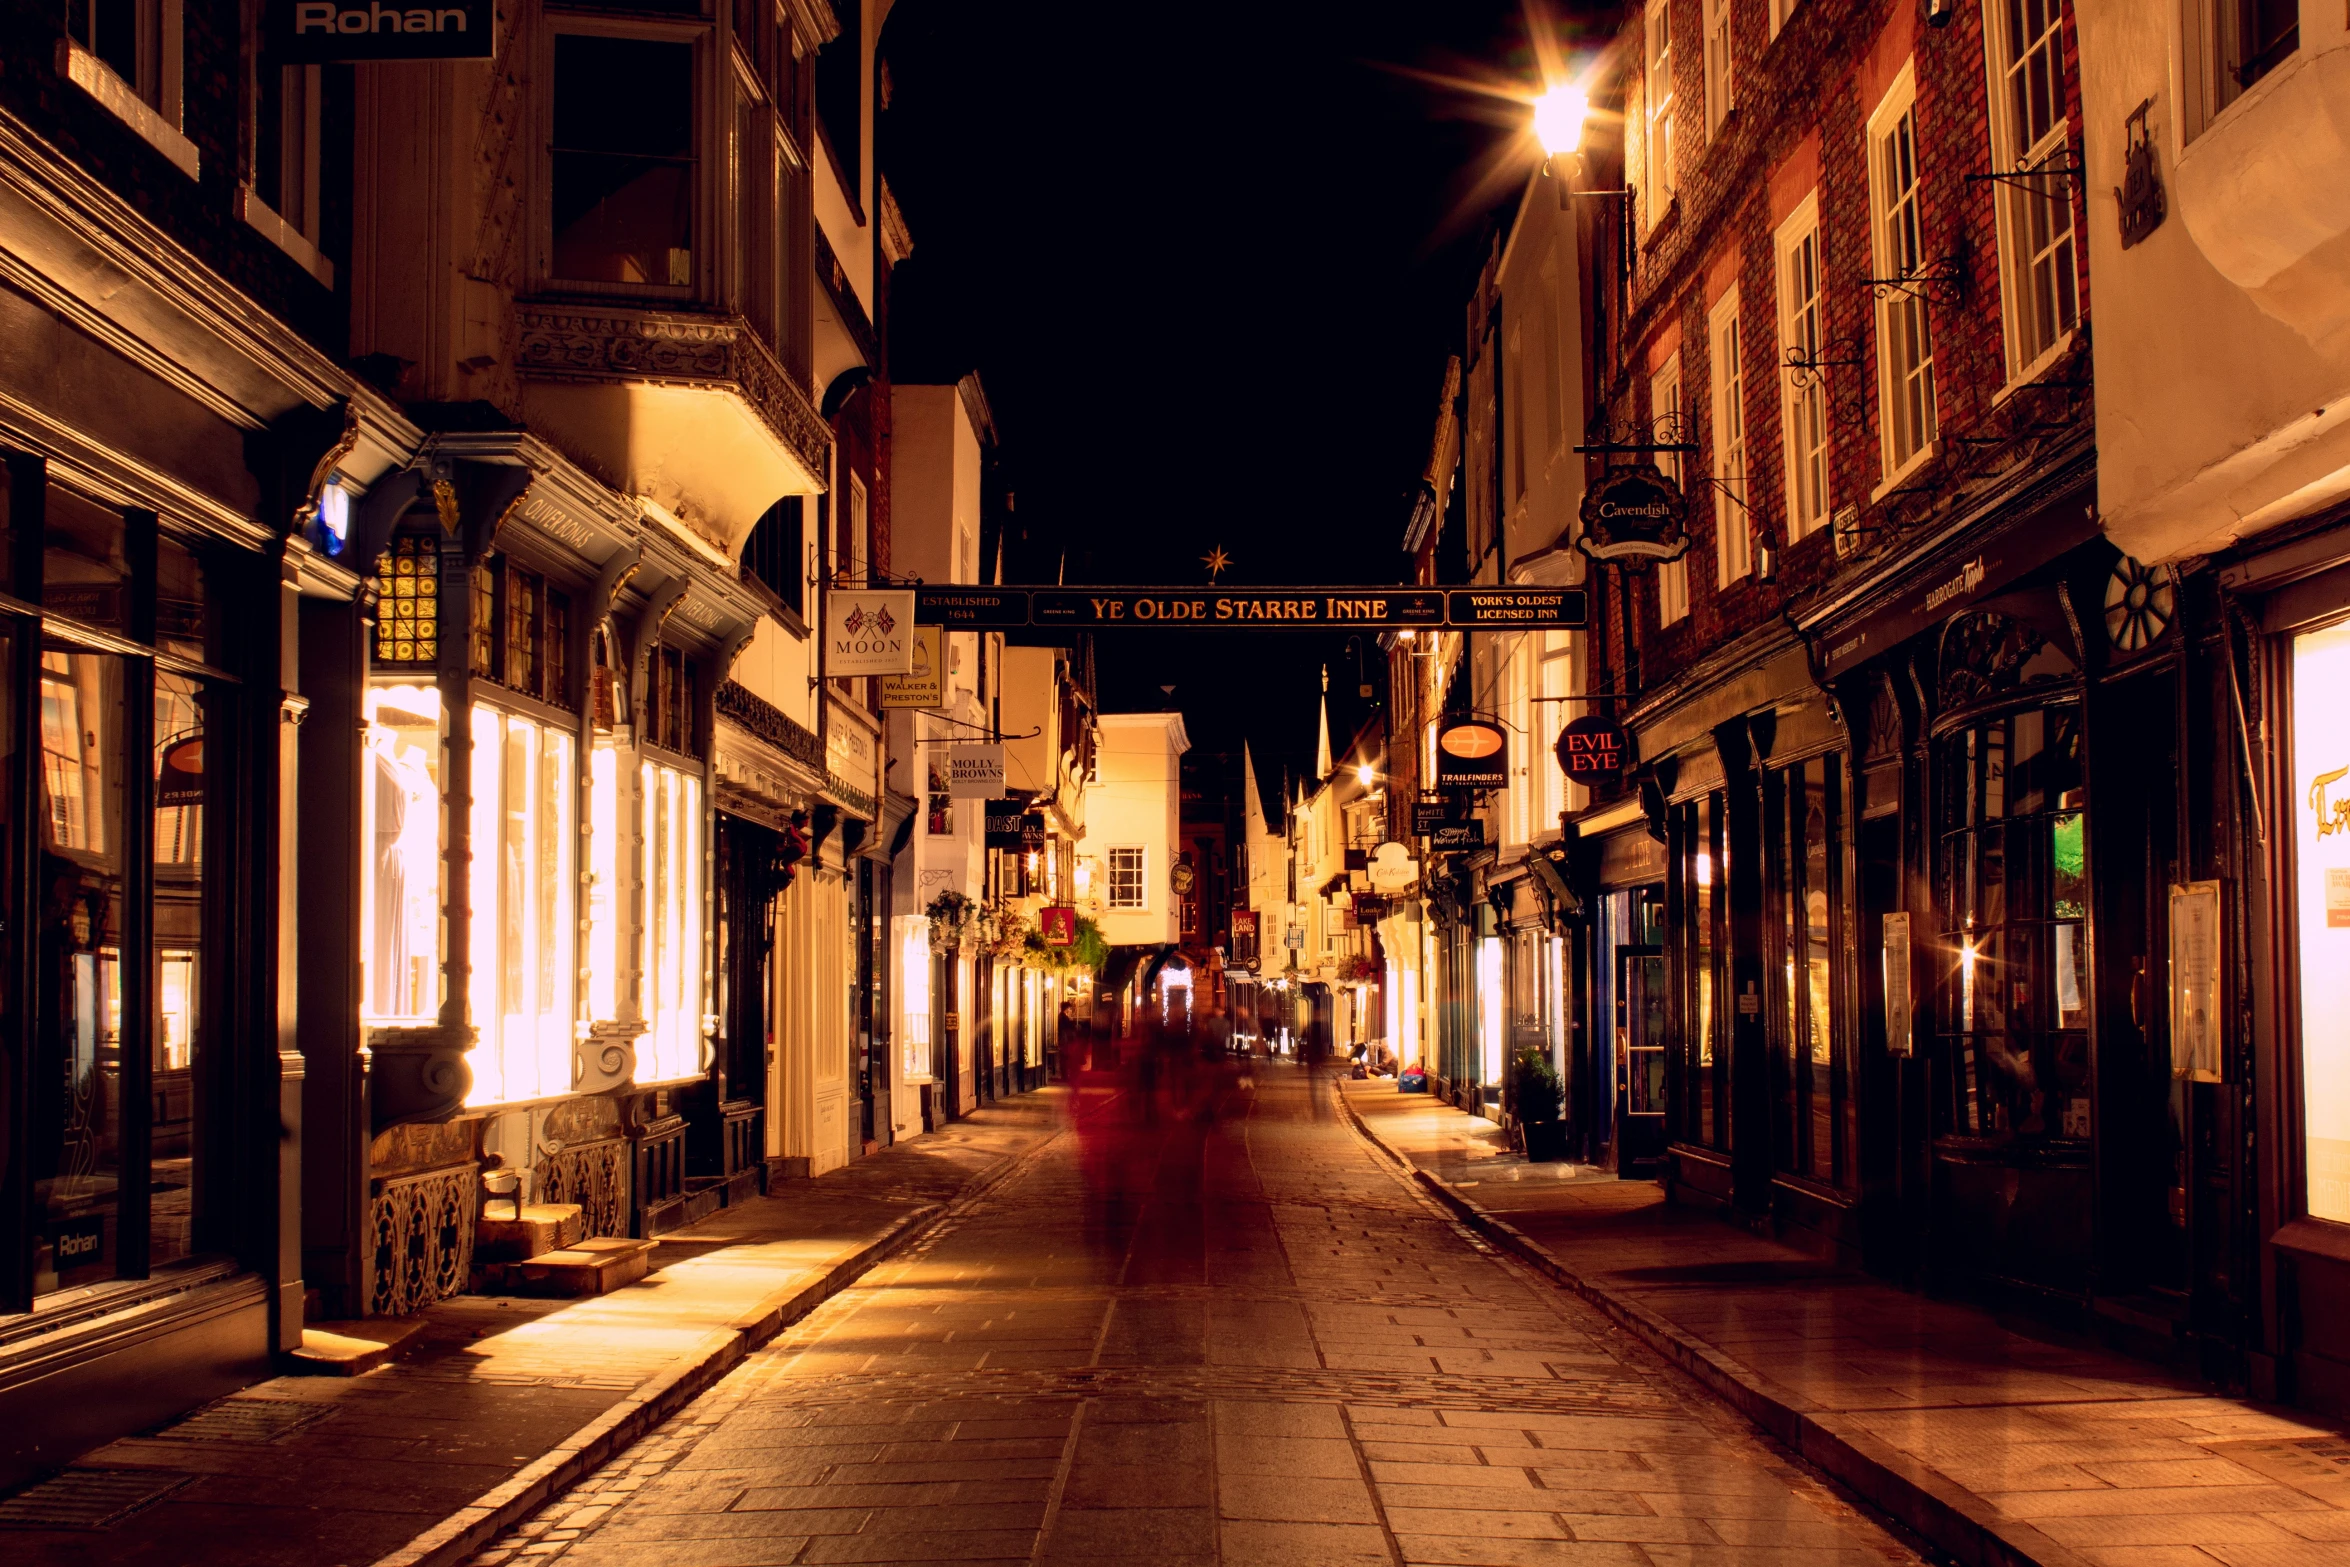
[{"x": 1640, "y": 1062}]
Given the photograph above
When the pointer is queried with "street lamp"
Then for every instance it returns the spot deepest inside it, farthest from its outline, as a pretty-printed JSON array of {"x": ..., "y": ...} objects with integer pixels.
[
  {"x": 1559, "y": 116},
  {"x": 1365, "y": 775}
]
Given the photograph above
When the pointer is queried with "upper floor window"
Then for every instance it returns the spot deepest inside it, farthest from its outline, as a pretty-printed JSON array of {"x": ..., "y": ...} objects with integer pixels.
[
  {"x": 1781, "y": 10},
  {"x": 1671, "y": 428},
  {"x": 139, "y": 41},
  {"x": 2031, "y": 146},
  {"x": 775, "y": 554},
  {"x": 1733, "y": 535},
  {"x": 1803, "y": 395},
  {"x": 1126, "y": 884},
  {"x": 1721, "y": 92},
  {"x": 521, "y": 631},
  {"x": 408, "y": 602},
  {"x": 1660, "y": 107},
  {"x": 672, "y": 690},
  {"x": 1905, "y": 350},
  {"x": 2230, "y": 44},
  {"x": 840, "y": 97},
  {"x": 622, "y": 167}
]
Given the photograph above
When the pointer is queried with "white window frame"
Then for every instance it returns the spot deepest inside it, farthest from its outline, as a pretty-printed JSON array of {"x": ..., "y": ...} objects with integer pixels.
[
  {"x": 1803, "y": 397},
  {"x": 1557, "y": 679},
  {"x": 2040, "y": 280},
  {"x": 1733, "y": 528},
  {"x": 708, "y": 187},
  {"x": 1142, "y": 883},
  {"x": 151, "y": 100},
  {"x": 1668, "y": 423},
  {"x": 1907, "y": 421},
  {"x": 2210, "y": 54},
  {"x": 1721, "y": 75},
  {"x": 1781, "y": 11},
  {"x": 1658, "y": 107}
]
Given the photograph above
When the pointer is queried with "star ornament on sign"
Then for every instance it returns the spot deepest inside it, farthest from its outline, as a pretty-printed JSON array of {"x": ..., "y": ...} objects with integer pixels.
[{"x": 1216, "y": 561}]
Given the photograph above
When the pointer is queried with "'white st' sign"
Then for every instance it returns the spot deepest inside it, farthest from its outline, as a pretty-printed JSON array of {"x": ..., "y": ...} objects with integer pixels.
[{"x": 868, "y": 633}]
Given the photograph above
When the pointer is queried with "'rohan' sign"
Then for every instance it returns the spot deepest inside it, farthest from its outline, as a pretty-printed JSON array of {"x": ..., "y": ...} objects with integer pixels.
[{"x": 319, "y": 32}]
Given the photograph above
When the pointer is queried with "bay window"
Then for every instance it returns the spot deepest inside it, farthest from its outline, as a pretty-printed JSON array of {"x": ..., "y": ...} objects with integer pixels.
[{"x": 622, "y": 168}]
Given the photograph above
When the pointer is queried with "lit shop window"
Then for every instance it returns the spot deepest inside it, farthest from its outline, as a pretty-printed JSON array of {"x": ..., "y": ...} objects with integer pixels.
[
  {"x": 525, "y": 963},
  {"x": 2321, "y": 851},
  {"x": 913, "y": 996},
  {"x": 603, "y": 884},
  {"x": 1489, "y": 1001},
  {"x": 673, "y": 925},
  {"x": 400, "y": 869}
]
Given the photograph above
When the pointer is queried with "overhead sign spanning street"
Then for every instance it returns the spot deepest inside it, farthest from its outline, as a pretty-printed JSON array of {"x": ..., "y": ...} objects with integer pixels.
[
  {"x": 1252, "y": 609},
  {"x": 325, "y": 31}
]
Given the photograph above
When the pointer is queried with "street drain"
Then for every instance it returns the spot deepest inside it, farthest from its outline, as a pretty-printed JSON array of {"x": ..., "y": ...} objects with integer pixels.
[
  {"x": 244, "y": 1420},
  {"x": 87, "y": 1498}
]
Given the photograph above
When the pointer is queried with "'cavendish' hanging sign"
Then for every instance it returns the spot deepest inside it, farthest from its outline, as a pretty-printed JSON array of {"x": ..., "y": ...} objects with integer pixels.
[{"x": 1634, "y": 515}]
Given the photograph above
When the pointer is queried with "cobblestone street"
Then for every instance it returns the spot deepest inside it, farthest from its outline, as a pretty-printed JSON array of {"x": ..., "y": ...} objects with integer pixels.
[{"x": 1237, "y": 1340}]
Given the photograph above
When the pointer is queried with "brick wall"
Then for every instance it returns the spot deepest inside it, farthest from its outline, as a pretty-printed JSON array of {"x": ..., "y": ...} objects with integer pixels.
[{"x": 1820, "y": 77}]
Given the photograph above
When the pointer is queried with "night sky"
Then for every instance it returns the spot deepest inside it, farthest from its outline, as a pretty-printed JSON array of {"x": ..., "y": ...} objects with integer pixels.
[{"x": 1208, "y": 264}]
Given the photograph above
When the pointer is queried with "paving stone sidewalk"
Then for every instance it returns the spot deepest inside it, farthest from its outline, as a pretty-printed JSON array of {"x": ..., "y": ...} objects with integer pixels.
[
  {"x": 1994, "y": 1446},
  {"x": 501, "y": 1402}
]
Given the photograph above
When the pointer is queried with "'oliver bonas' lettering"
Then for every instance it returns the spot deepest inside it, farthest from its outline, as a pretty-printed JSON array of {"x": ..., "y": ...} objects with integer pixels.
[{"x": 322, "y": 16}]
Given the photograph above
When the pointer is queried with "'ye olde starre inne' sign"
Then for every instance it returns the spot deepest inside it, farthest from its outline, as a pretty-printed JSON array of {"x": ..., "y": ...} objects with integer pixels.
[{"x": 1634, "y": 515}]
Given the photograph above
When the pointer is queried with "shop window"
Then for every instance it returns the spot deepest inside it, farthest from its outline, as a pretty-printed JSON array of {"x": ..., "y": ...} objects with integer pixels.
[
  {"x": 524, "y": 958},
  {"x": 85, "y": 568},
  {"x": 2030, "y": 141},
  {"x": 670, "y": 704},
  {"x": 183, "y": 606},
  {"x": 2011, "y": 883},
  {"x": 622, "y": 162},
  {"x": 672, "y": 950},
  {"x": 939, "y": 798},
  {"x": 603, "y": 883},
  {"x": 81, "y": 1154},
  {"x": 178, "y": 936},
  {"x": 1905, "y": 349},
  {"x": 400, "y": 869},
  {"x": 1704, "y": 945},
  {"x": 2321, "y": 845},
  {"x": 408, "y": 602},
  {"x": 1126, "y": 881},
  {"x": 1805, "y": 906}
]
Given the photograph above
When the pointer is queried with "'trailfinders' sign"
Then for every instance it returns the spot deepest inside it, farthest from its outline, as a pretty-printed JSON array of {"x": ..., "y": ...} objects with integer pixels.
[
  {"x": 868, "y": 633},
  {"x": 1591, "y": 750},
  {"x": 1472, "y": 753},
  {"x": 976, "y": 772},
  {"x": 1634, "y": 514},
  {"x": 319, "y": 32}
]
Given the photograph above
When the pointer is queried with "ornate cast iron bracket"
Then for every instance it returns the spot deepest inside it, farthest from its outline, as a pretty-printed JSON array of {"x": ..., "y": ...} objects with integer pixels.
[{"x": 417, "y": 1074}]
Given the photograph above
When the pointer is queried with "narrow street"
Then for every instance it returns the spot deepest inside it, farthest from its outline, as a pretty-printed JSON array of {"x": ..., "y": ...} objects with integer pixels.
[{"x": 1236, "y": 1339}]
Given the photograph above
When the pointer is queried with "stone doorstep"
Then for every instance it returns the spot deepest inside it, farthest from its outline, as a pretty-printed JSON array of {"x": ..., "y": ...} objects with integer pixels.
[
  {"x": 596, "y": 1266},
  {"x": 351, "y": 1349},
  {"x": 540, "y": 1227}
]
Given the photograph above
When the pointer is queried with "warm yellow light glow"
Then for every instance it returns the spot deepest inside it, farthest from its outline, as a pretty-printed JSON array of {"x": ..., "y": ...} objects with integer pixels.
[
  {"x": 604, "y": 884},
  {"x": 1364, "y": 775},
  {"x": 1558, "y": 119},
  {"x": 1407, "y": 636},
  {"x": 1705, "y": 869}
]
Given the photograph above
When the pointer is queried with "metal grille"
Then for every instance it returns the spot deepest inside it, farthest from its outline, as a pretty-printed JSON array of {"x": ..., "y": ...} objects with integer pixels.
[
  {"x": 244, "y": 1420},
  {"x": 87, "y": 1498}
]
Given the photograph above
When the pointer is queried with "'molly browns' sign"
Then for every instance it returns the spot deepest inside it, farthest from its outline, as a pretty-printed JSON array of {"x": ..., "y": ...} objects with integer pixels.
[{"x": 313, "y": 32}]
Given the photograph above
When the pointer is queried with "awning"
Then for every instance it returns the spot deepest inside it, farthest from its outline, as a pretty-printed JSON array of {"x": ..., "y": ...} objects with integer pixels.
[{"x": 1945, "y": 585}]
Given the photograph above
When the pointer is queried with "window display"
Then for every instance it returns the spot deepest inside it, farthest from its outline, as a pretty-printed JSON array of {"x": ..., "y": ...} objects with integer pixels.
[
  {"x": 673, "y": 925},
  {"x": 2321, "y": 845},
  {"x": 524, "y": 960},
  {"x": 400, "y": 864}
]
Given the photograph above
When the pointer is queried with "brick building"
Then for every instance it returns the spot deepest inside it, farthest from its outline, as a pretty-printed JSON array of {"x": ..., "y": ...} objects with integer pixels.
[{"x": 1836, "y": 290}]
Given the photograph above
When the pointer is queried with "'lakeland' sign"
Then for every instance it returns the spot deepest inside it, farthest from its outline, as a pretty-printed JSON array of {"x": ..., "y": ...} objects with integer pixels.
[
  {"x": 319, "y": 32},
  {"x": 1635, "y": 515}
]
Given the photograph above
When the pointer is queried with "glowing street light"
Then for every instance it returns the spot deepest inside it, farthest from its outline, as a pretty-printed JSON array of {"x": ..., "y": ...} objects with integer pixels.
[
  {"x": 1559, "y": 116},
  {"x": 1364, "y": 775}
]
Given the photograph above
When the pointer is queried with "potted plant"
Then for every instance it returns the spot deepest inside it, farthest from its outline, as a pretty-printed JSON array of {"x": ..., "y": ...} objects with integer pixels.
[{"x": 1535, "y": 1096}]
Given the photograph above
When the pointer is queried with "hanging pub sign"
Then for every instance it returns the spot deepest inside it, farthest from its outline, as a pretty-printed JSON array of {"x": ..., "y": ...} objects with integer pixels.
[
  {"x": 1004, "y": 823},
  {"x": 1392, "y": 868},
  {"x": 1244, "y": 923},
  {"x": 327, "y": 32},
  {"x": 1456, "y": 836},
  {"x": 1472, "y": 753},
  {"x": 976, "y": 772},
  {"x": 180, "y": 779},
  {"x": 1591, "y": 750},
  {"x": 1428, "y": 815},
  {"x": 868, "y": 633},
  {"x": 1634, "y": 515},
  {"x": 1057, "y": 925},
  {"x": 923, "y": 683},
  {"x": 1182, "y": 878}
]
